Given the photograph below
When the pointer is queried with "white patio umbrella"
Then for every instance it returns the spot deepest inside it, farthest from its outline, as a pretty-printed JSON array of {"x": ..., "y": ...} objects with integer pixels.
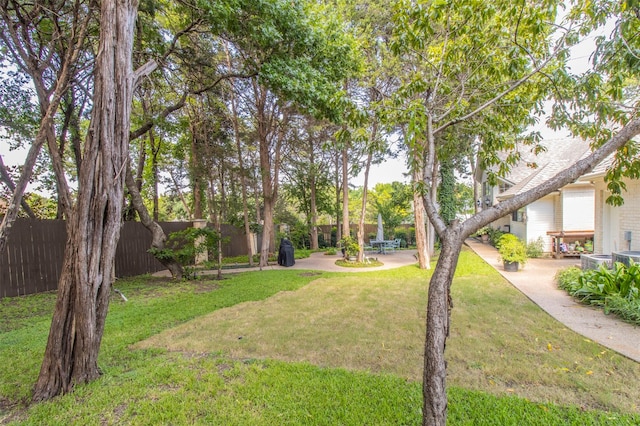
[{"x": 380, "y": 234}]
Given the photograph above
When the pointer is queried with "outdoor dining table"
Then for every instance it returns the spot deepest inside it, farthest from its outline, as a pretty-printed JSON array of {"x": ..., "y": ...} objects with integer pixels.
[{"x": 382, "y": 245}]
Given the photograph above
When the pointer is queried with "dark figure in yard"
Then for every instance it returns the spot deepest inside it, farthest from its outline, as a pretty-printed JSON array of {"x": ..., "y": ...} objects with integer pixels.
[{"x": 285, "y": 255}]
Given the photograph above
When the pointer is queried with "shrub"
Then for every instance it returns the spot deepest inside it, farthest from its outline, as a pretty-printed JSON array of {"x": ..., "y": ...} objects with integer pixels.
[
  {"x": 535, "y": 248},
  {"x": 494, "y": 236},
  {"x": 617, "y": 290},
  {"x": 569, "y": 279},
  {"x": 401, "y": 233},
  {"x": 350, "y": 246},
  {"x": 181, "y": 246}
]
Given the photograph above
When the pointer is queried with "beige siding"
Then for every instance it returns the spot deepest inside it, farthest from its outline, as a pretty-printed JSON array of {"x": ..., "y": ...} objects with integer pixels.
[
  {"x": 540, "y": 220},
  {"x": 612, "y": 222},
  {"x": 558, "y": 213},
  {"x": 598, "y": 220},
  {"x": 578, "y": 209},
  {"x": 630, "y": 216}
]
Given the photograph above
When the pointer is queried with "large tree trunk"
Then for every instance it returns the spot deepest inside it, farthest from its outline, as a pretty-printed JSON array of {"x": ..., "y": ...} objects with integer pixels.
[
  {"x": 363, "y": 210},
  {"x": 312, "y": 195},
  {"x": 243, "y": 177},
  {"x": 422, "y": 242},
  {"x": 158, "y": 237},
  {"x": 337, "y": 184},
  {"x": 438, "y": 314},
  {"x": 345, "y": 193},
  {"x": 71, "y": 355}
]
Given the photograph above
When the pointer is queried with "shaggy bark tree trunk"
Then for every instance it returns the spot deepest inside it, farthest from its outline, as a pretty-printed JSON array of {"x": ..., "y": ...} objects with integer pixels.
[
  {"x": 158, "y": 237},
  {"x": 71, "y": 355}
]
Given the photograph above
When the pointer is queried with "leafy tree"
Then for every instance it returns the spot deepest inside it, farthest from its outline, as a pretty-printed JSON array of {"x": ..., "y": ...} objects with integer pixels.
[
  {"x": 393, "y": 202},
  {"x": 48, "y": 45},
  {"x": 484, "y": 68},
  {"x": 306, "y": 70},
  {"x": 307, "y": 179},
  {"x": 463, "y": 200}
]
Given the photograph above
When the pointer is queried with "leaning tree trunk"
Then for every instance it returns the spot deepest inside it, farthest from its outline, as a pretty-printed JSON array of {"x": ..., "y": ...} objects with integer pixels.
[
  {"x": 71, "y": 355},
  {"x": 438, "y": 316},
  {"x": 158, "y": 237}
]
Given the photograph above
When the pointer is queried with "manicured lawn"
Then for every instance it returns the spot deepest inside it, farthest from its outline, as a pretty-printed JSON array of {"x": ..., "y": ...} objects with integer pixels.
[{"x": 293, "y": 347}]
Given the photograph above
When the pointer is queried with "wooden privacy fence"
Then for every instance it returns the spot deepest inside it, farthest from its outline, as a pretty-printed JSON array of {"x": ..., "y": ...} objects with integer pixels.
[{"x": 32, "y": 261}]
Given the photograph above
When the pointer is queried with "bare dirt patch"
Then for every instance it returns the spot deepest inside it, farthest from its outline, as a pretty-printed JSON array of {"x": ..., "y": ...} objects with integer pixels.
[{"x": 205, "y": 286}]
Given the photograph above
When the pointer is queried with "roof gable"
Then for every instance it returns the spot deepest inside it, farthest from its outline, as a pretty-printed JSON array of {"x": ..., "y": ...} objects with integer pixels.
[{"x": 559, "y": 154}]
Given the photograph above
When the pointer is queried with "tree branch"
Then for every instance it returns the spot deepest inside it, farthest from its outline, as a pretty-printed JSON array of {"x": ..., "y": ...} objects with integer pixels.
[
  {"x": 6, "y": 178},
  {"x": 501, "y": 95},
  {"x": 561, "y": 179},
  {"x": 143, "y": 71}
]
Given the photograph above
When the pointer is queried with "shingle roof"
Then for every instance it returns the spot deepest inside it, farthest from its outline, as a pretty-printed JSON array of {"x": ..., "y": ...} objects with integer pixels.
[
  {"x": 601, "y": 169},
  {"x": 560, "y": 154}
]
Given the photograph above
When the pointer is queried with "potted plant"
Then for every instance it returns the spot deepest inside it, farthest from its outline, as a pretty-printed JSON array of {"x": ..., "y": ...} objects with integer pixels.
[
  {"x": 513, "y": 252},
  {"x": 483, "y": 233}
]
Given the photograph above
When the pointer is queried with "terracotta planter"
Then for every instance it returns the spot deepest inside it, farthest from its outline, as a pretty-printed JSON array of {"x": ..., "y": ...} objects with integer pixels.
[
  {"x": 511, "y": 266},
  {"x": 485, "y": 238}
]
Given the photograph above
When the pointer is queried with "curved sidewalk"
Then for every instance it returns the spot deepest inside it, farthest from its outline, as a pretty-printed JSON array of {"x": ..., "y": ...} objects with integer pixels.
[
  {"x": 321, "y": 262},
  {"x": 537, "y": 281},
  {"x": 324, "y": 262}
]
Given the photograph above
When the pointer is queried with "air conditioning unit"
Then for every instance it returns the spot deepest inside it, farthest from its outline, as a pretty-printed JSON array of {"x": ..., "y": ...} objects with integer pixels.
[
  {"x": 593, "y": 261},
  {"x": 624, "y": 256}
]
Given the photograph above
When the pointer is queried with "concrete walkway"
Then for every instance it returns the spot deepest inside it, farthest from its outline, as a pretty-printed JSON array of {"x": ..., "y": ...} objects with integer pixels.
[
  {"x": 321, "y": 262},
  {"x": 537, "y": 281}
]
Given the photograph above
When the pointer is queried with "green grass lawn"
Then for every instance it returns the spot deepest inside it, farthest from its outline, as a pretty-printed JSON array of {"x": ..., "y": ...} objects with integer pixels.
[{"x": 299, "y": 348}]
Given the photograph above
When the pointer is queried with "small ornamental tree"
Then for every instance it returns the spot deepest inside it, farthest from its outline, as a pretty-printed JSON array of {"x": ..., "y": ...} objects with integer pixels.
[{"x": 486, "y": 68}]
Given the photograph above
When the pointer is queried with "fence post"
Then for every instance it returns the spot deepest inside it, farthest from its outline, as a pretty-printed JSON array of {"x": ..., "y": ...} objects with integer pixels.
[{"x": 202, "y": 256}]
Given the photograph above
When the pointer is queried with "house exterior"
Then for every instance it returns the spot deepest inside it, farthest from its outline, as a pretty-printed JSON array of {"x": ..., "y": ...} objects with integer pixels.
[
  {"x": 616, "y": 228},
  {"x": 565, "y": 214}
]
